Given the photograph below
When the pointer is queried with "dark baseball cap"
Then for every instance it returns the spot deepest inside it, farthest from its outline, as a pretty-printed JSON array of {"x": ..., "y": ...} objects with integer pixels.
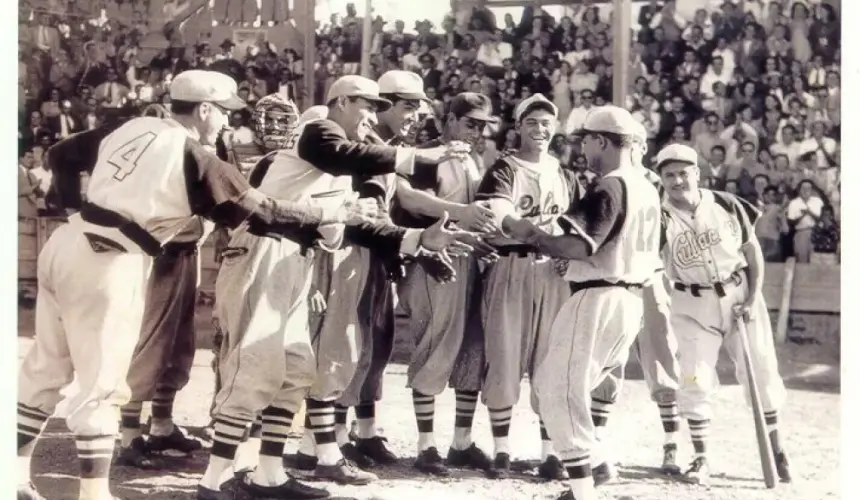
[{"x": 473, "y": 105}]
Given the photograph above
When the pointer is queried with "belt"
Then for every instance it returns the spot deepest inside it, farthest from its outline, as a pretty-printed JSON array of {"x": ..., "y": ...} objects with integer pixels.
[
  {"x": 103, "y": 217},
  {"x": 584, "y": 285},
  {"x": 517, "y": 251},
  {"x": 719, "y": 288}
]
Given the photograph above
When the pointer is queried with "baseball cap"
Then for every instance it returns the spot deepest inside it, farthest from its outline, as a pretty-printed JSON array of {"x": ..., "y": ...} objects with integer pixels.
[
  {"x": 197, "y": 85},
  {"x": 529, "y": 105},
  {"x": 611, "y": 119},
  {"x": 403, "y": 84},
  {"x": 357, "y": 86},
  {"x": 472, "y": 105},
  {"x": 676, "y": 152}
]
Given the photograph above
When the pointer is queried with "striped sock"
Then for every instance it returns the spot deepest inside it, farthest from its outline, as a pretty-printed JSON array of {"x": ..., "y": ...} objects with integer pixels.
[
  {"x": 340, "y": 414},
  {"x": 771, "y": 421},
  {"x": 130, "y": 422},
  {"x": 95, "y": 454},
  {"x": 228, "y": 433},
  {"x": 579, "y": 471},
  {"x": 256, "y": 431},
  {"x": 670, "y": 416},
  {"x": 500, "y": 424},
  {"x": 464, "y": 417},
  {"x": 31, "y": 423},
  {"x": 600, "y": 410},
  {"x": 275, "y": 430},
  {"x": 699, "y": 432},
  {"x": 321, "y": 414},
  {"x": 162, "y": 412},
  {"x": 425, "y": 408},
  {"x": 365, "y": 414}
]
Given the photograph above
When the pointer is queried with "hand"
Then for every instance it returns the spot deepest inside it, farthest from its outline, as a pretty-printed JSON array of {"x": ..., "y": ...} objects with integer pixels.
[
  {"x": 438, "y": 237},
  {"x": 438, "y": 265},
  {"x": 481, "y": 249},
  {"x": 317, "y": 302},
  {"x": 523, "y": 230},
  {"x": 476, "y": 217},
  {"x": 744, "y": 309},
  {"x": 453, "y": 150},
  {"x": 560, "y": 266},
  {"x": 357, "y": 211}
]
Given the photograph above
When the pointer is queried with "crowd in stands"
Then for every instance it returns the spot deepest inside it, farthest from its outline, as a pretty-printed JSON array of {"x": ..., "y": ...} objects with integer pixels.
[{"x": 753, "y": 86}]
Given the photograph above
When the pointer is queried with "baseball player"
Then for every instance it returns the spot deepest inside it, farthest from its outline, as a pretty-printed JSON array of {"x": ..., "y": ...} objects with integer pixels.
[
  {"x": 656, "y": 349},
  {"x": 151, "y": 178},
  {"x": 612, "y": 240},
  {"x": 269, "y": 363},
  {"x": 438, "y": 314},
  {"x": 522, "y": 292},
  {"x": 716, "y": 268}
]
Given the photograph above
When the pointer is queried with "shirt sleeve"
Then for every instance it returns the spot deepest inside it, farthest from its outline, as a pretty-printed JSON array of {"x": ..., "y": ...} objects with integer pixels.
[
  {"x": 324, "y": 145},
  {"x": 68, "y": 159},
  {"x": 218, "y": 191},
  {"x": 600, "y": 215},
  {"x": 498, "y": 183}
]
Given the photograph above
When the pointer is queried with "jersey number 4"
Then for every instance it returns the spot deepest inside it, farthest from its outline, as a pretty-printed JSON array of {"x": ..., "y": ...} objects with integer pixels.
[
  {"x": 126, "y": 157},
  {"x": 650, "y": 226}
]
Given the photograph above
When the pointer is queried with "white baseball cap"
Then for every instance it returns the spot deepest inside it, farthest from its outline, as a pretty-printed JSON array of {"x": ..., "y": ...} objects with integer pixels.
[
  {"x": 676, "y": 153},
  {"x": 534, "y": 101},
  {"x": 197, "y": 85},
  {"x": 403, "y": 84},
  {"x": 612, "y": 120},
  {"x": 357, "y": 86},
  {"x": 318, "y": 112}
]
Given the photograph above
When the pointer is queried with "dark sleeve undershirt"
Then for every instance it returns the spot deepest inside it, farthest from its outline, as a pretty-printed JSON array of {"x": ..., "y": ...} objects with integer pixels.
[
  {"x": 601, "y": 212},
  {"x": 324, "y": 145},
  {"x": 68, "y": 159}
]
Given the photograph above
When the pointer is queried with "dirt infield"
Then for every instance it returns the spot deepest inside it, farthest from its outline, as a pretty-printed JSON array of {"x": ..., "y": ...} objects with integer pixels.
[{"x": 811, "y": 432}]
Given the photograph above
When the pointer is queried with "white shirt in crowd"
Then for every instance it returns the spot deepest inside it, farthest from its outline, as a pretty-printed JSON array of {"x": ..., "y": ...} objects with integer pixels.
[
  {"x": 795, "y": 209},
  {"x": 811, "y": 145},
  {"x": 493, "y": 53},
  {"x": 576, "y": 119}
]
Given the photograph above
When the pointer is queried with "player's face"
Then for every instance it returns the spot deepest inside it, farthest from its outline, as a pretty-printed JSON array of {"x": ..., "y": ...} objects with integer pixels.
[
  {"x": 359, "y": 118},
  {"x": 679, "y": 179},
  {"x": 467, "y": 130},
  {"x": 536, "y": 130},
  {"x": 212, "y": 119},
  {"x": 403, "y": 116}
]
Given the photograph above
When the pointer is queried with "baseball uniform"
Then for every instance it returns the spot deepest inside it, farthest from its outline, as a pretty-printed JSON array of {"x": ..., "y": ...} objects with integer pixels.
[
  {"x": 705, "y": 258},
  {"x": 94, "y": 270}
]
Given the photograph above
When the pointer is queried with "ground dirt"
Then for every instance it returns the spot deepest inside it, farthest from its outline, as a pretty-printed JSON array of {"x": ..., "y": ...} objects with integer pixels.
[{"x": 810, "y": 430}]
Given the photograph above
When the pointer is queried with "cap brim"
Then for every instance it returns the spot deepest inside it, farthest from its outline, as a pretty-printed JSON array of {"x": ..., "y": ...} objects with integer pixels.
[
  {"x": 233, "y": 103},
  {"x": 481, "y": 116},
  {"x": 417, "y": 96},
  {"x": 665, "y": 161},
  {"x": 381, "y": 104}
]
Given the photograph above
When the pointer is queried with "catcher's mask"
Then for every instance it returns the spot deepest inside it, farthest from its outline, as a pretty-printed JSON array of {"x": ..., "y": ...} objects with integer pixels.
[{"x": 273, "y": 121}]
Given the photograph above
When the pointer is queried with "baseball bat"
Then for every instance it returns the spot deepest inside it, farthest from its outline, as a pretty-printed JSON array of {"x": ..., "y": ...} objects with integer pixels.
[{"x": 765, "y": 450}]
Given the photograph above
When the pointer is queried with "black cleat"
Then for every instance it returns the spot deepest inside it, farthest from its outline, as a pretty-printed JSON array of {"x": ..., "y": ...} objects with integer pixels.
[
  {"x": 351, "y": 453},
  {"x": 304, "y": 462},
  {"x": 603, "y": 474},
  {"x": 291, "y": 490},
  {"x": 670, "y": 460},
  {"x": 567, "y": 495},
  {"x": 782, "y": 469},
  {"x": 375, "y": 449},
  {"x": 178, "y": 440},
  {"x": 552, "y": 469},
  {"x": 501, "y": 468},
  {"x": 204, "y": 493},
  {"x": 698, "y": 473},
  {"x": 430, "y": 462},
  {"x": 470, "y": 458},
  {"x": 137, "y": 455}
]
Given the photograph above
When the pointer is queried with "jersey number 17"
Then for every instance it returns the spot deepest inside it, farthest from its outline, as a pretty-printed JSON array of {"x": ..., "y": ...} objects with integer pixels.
[
  {"x": 126, "y": 157},
  {"x": 648, "y": 231}
]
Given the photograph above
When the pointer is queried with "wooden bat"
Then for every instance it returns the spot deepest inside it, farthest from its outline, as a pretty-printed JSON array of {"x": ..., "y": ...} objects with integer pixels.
[{"x": 765, "y": 450}]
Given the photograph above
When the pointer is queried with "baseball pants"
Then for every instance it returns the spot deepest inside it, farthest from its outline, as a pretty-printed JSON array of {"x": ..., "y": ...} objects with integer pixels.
[
  {"x": 591, "y": 335},
  {"x": 521, "y": 297},
  {"x": 702, "y": 324},
  {"x": 165, "y": 352},
  {"x": 89, "y": 310},
  {"x": 656, "y": 349},
  {"x": 336, "y": 335},
  {"x": 261, "y": 304},
  {"x": 434, "y": 316},
  {"x": 376, "y": 321}
]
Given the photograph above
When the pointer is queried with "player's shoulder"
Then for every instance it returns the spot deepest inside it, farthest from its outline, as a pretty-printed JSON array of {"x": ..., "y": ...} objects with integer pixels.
[
  {"x": 736, "y": 205},
  {"x": 322, "y": 127}
]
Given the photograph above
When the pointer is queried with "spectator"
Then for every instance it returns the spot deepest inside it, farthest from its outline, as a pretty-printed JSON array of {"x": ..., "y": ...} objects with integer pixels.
[
  {"x": 803, "y": 213},
  {"x": 28, "y": 186},
  {"x": 771, "y": 225},
  {"x": 826, "y": 239}
]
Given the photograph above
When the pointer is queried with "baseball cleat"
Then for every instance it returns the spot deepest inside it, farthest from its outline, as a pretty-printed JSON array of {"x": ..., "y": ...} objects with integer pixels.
[
  {"x": 567, "y": 495},
  {"x": 375, "y": 449},
  {"x": 782, "y": 469},
  {"x": 470, "y": 458},
  {"x": 178, "y": 440},
  {"x": 501, "y": 468},
  {"x": 344, "y": 472},
  {"x": 552, "y": 469},
  {"x": 698, "y": 473},
  {"x": 291, "y": 490},
  {"x": 603, "y": 474},
  {"x": 351, "y": 453},
  {"x": 430, "y": 462},
  {"x": 137, "y": 455},
  {"x": 28, "y": 492},
  {"x": 204, "y": 493},
  {"x": 670, "y": 465},
  {"x": 304, "y": 462}
]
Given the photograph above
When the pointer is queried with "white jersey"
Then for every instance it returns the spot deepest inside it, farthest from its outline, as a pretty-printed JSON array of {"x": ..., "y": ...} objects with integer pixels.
[
  {"x": 627, "y": 240},
  {"x": 291, "y": 178},
  {"x": 140, "y": 175},
  {"x": 704, "y": 247}
]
